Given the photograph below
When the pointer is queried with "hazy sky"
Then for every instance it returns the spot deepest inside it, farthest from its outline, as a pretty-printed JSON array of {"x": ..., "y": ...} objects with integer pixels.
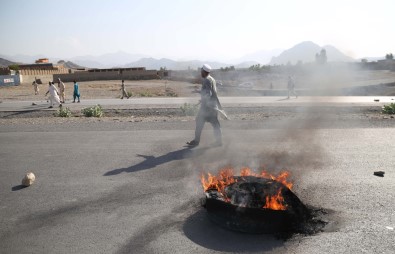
[{"x": 205, "y": 29}]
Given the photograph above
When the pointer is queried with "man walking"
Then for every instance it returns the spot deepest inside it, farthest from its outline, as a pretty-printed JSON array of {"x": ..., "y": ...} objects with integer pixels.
[
  {"x": 76, "y": 93},
  {"x": 208, "y": 111},
  {"x": 124, "y": 93},
  {"x": 291, "y": 87},
  {"x": 62, "y": 88},
  {"x": 54, "y": 95},
  {"x": 35, "y": 85}
]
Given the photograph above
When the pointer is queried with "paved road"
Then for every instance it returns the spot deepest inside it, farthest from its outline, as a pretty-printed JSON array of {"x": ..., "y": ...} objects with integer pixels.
[
  {"x": 226, "y": 101},
  {"x": 134, "y": 188}
]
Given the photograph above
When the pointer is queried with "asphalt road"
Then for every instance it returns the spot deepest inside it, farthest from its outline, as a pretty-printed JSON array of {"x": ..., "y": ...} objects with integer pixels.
[{"x": 134, "y": 188}]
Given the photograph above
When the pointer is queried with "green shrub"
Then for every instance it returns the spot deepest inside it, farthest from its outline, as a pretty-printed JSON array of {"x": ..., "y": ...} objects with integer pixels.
[
  {"x": 146, "y": 93},
  {"x": 171, "y": 93},
  {"x": 130, "y": 94},
  {"x": 14, "y": 67},
  {"x": 388, "y": 109},
  {"x": 95, "y": 111},
  {"x": 63, "y": 112},
  {"x": 189, "y": 109}
]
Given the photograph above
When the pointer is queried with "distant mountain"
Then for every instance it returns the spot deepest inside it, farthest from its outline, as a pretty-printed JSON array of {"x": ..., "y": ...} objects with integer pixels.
[
  {"x": 152, "y": 63},
  {"x": 23, "y": 58},
  {"x": 89, "y": 64},
  {"x": 335, "y": 55},
  {"x": 70, "y": 65},
  {"x": 5, "y": 62},
  {"x": 262, "y": 57},
  {"x": 116, "y": 59},
  {"x": 306, "y": 52}
]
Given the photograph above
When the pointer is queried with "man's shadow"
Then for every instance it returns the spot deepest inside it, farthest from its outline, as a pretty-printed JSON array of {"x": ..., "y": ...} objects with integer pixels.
[{"x": 152, "y": 161}]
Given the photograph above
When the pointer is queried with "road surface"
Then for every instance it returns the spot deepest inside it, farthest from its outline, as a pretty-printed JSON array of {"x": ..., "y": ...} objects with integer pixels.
[{"x": 134, "y": 187}]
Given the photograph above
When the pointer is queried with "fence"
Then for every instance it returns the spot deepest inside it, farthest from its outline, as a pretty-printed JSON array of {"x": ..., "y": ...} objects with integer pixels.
[
  {"x": 43, "y": 71},
  {"x": 9, "y": 80},
  {"x": 28, "y": 79},
  {"x": 110, "y": 75}
]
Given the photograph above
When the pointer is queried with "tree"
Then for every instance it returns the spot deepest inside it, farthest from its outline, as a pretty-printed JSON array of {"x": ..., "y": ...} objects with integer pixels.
[
  {"x": 389, "y": 56},
  {"x": 14, "y": 67},
  {"x": 321, "y": 58},
  {"x": 254, "y": 67}
]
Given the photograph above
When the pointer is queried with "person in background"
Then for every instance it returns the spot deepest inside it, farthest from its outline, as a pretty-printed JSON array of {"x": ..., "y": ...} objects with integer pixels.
[
  {"x": 291, "y": 87},
  {"x": 209, "y": 107},
  {"x": 54, "y": 95},
  {"x": 76, "y": 93},
  {"x": 124, "y": 93},
  {"x": 35, "y": 85},
  {"x": 62, "y": 88}
]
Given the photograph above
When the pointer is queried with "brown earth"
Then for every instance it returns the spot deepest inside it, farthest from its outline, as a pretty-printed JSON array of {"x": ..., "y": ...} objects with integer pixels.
[{"x": 105, "y": 90}]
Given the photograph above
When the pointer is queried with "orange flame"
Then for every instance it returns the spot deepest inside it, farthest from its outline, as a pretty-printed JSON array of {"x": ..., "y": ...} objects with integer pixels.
[
  {"x": 275, "y": 202},
  {"x": 225, "y": 177}
]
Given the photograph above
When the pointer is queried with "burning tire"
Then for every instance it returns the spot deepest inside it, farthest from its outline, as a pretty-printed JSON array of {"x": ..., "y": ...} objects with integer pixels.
[{"x": 253, "y": 203}]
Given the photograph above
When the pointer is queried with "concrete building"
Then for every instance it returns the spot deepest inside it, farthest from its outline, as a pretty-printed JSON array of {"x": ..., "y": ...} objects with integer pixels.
[{"x": 42, "y": 60}]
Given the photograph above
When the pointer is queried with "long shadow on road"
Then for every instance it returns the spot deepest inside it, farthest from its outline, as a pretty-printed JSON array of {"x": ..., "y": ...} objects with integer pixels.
[
  {"x": 25, "y": 110},
  {"x": 152, "y": 161}
]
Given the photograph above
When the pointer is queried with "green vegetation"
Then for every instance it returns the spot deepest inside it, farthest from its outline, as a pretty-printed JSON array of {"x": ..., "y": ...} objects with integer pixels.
[
  {"x": 388, "y": 109},
  {"x": 389, "y": 56},
  {"x": 145, "y": 93},
  {"x": 63, "y": 112},
  {"x": 189, "y": 109},
  {"x": 258, "y": 67},
  {"x": 171, "y": 93},
  {"x": 14, "y": 67},
  {"x": 129, "y": 93},
  {"x": 231, "y": 68},
  {"x": 95, "y": 111}
]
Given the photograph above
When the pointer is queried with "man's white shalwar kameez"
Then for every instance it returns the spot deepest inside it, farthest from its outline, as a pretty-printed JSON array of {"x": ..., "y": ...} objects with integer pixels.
[{"x": 54, "y": 97}]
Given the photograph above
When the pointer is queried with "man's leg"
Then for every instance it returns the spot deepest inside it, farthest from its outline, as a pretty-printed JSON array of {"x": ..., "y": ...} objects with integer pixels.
[
  {"x": 217, "y": 130},
  {"x": 200, "y": 121},
  {"x": 296, "y": 95},
  {"x": 51, "y": 101}
]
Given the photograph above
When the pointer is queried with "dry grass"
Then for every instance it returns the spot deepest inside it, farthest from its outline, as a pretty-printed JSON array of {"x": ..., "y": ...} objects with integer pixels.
[{"x": 103, "y": 90}]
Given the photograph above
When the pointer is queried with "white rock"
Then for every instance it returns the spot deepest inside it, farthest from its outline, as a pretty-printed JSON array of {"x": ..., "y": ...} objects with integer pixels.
[{"x": 28, "y": 179}]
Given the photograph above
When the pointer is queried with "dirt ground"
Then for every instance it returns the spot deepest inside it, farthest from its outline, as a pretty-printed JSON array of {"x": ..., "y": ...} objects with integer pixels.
[
  {"x": 355, "y": 83},
  {"x": 105, "y": 89}
]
